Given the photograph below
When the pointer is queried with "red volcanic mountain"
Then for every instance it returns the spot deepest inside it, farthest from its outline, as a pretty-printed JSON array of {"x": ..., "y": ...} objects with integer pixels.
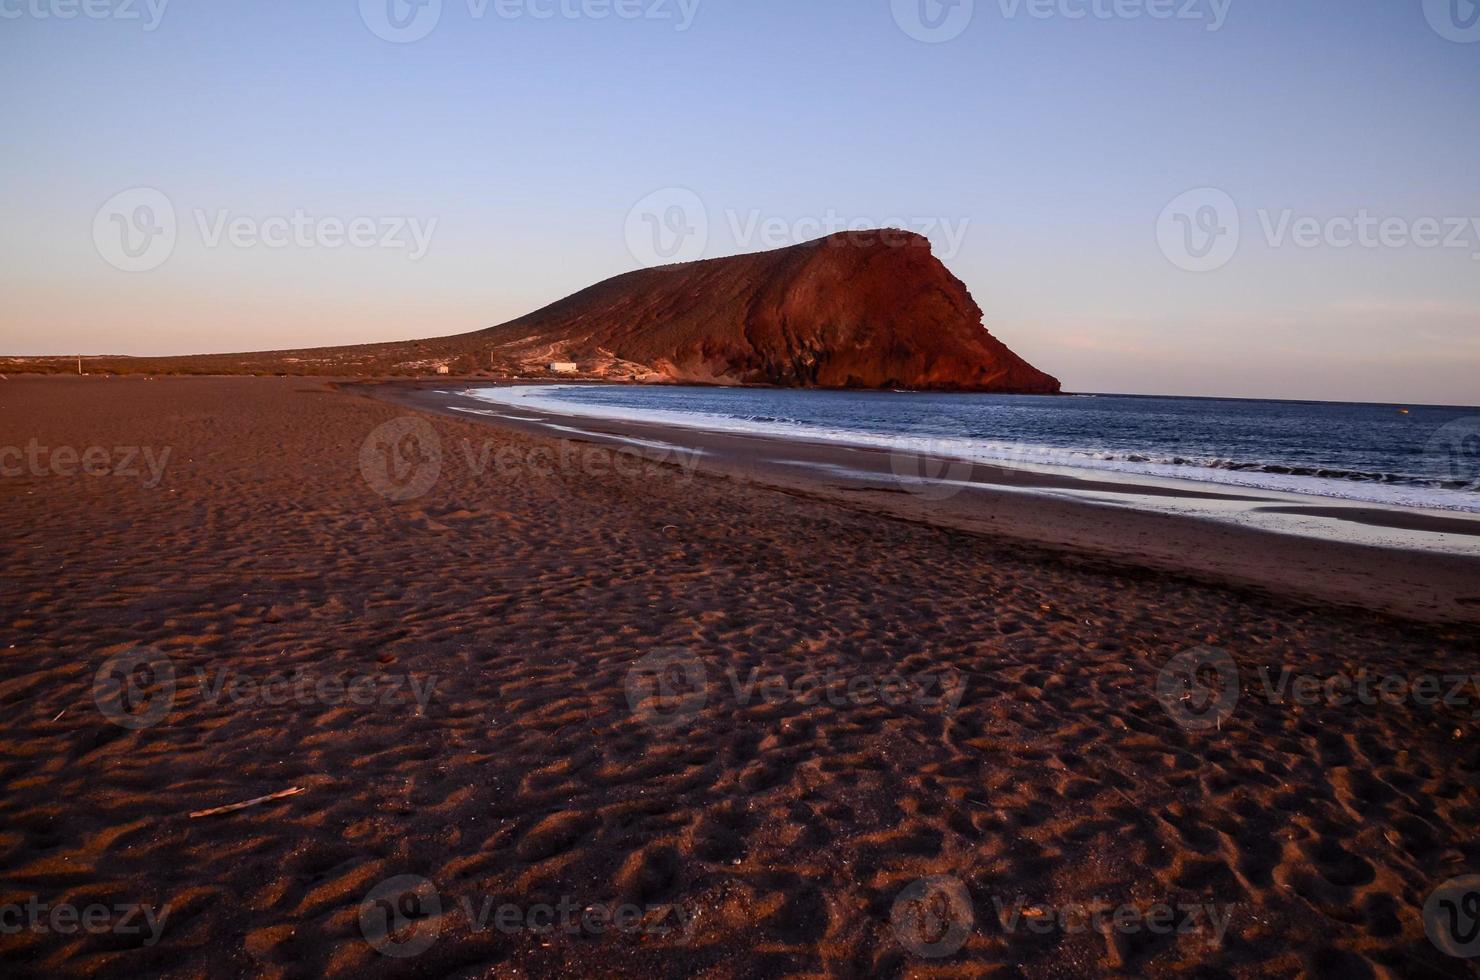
[{"x": 855, "y": 310}]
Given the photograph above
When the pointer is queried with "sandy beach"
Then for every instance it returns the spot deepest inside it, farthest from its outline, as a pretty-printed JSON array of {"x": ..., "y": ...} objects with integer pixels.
[{"x": 589, "y": 707}]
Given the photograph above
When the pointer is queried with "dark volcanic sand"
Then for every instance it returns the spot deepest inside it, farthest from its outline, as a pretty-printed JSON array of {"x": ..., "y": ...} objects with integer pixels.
[{"x": 782, "y": 831}]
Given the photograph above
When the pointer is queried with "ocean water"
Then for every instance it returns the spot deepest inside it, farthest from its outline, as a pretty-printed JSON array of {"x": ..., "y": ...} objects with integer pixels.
[{"x": 1426, "y": 456}]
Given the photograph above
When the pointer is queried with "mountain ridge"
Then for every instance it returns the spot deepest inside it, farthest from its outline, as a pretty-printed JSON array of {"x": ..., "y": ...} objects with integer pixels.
[{"x": 872, "y": 309}]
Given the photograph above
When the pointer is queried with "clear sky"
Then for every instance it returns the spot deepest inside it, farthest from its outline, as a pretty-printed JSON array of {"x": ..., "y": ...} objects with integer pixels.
[{"x": 493, "y": 165}]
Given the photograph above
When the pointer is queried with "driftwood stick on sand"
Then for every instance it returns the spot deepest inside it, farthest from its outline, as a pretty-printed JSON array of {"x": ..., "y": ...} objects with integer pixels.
[{"x": 231, "y": 807}]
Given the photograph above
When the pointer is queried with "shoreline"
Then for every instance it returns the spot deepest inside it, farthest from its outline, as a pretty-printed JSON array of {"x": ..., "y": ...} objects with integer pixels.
[
  {"x": 1162, "y": 478},
  {"x": 1410, "y": 563}
]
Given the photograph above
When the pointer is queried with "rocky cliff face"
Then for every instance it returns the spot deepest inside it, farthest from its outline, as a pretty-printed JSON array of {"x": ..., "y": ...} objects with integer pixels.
[{"x": 854, "y": 310}]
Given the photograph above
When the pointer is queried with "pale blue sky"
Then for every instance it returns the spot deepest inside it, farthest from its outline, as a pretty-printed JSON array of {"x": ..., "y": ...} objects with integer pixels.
[{"x": 1050, "y": 145}]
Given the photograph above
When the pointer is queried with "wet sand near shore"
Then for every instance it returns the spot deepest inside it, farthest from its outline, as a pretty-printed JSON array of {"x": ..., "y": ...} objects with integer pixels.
[
  {"x": 1327, "y": 552},
  {"x": 517, "y": 622}
]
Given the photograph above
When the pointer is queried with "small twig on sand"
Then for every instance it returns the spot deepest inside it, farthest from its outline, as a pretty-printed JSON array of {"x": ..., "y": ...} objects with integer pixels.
[
  {"x": 59, "y": 715},
  {"x": 229, "y": 808}
]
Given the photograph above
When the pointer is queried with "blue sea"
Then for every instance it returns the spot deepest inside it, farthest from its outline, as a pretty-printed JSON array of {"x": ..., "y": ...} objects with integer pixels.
[{"x": 1399, "y": 455}]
